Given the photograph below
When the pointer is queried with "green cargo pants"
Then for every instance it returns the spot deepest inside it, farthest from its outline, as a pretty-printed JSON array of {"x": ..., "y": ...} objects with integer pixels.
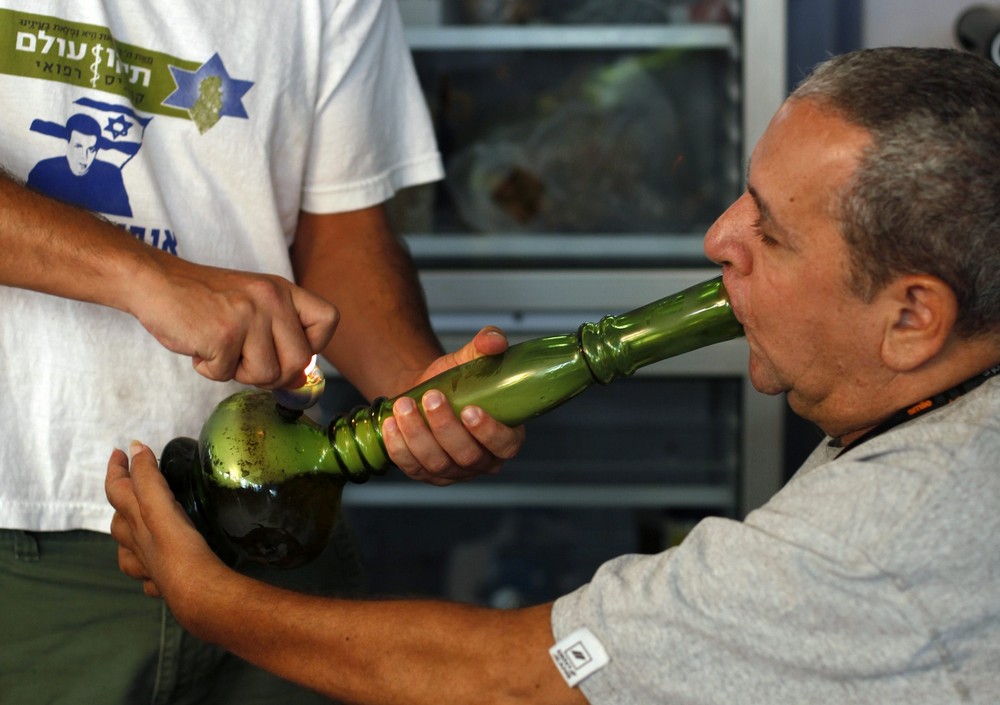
[{"x": 74, "y": 630}]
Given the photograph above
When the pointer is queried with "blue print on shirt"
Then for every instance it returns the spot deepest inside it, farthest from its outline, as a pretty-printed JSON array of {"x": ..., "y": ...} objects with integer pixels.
[
  {"x": 209, "y": 93},
  {"x": 89, "y": 172}
]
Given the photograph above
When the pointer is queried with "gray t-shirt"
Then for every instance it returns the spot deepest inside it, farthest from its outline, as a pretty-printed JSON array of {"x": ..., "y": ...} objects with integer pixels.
[{"x": 869, "y": 578}]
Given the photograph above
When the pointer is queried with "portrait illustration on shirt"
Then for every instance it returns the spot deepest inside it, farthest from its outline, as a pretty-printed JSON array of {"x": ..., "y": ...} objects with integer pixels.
[{"x": 88, "y": 170}]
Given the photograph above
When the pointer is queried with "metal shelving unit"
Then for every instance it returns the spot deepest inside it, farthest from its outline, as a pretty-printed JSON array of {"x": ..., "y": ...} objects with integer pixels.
[
  {"x": 588, "y": 37},
  {"x": 548, "y": 280}
]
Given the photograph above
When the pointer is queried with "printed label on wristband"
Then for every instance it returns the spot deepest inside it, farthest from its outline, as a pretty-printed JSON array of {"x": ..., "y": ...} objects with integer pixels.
[{"x": 578, "y": 656}]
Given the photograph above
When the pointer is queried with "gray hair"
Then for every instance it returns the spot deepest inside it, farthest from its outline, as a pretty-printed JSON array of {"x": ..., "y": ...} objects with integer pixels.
[{"x": 926, "y": 195}]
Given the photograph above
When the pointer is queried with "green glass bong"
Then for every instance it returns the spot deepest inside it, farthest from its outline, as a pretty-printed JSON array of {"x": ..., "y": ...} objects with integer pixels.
[{"x": 264, "y": 481}]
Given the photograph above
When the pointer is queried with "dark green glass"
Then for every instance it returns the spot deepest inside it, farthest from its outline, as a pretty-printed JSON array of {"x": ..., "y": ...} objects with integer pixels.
[{"x": 263, "y": 483}]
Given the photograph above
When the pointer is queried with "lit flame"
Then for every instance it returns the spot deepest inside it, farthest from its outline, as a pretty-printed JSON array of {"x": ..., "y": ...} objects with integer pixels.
[
  {"x": 311, "y": 369},
  {"x": 308, "y": 394}
]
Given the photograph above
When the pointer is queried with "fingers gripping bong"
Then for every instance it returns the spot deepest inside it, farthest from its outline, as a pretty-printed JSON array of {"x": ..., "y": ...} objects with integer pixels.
[{"x": 151, "y": 528}]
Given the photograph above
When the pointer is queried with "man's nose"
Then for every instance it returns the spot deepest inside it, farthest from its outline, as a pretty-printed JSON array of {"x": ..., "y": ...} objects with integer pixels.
[{"x": 726, "y": 242}]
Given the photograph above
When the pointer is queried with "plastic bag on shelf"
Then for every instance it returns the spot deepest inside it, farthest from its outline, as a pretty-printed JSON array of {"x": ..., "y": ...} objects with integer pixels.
[{"x": 605, "y": 161}]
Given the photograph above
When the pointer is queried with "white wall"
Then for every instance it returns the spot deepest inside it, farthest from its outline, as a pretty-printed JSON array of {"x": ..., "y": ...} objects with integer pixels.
[{"x": 911, "y": 22}]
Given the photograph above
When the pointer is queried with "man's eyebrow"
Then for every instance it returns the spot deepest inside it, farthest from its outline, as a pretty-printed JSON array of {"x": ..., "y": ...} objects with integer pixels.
[
  {"x": 762, "y": 209},
  {"x": 765, "y": 212},
  {"x": 767, "y": 219}
]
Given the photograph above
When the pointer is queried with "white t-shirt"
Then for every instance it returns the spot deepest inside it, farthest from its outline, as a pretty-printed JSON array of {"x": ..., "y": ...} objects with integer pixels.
[
  {"x": 870, "y": 578},
  {"x": 214, "y": 123}
]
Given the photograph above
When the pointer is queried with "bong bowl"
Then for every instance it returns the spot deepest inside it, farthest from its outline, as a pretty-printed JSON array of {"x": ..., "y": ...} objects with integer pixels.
[{"x": 256, "y": 483}]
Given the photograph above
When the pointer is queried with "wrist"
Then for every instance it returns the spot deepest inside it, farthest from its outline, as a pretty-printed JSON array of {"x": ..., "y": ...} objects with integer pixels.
[{"x": 197, "y": 591}]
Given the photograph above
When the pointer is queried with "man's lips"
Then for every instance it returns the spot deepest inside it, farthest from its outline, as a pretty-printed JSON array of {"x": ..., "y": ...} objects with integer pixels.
[
  {"x": 733, "y": 303},
  {"x": 736, "y": 309}
]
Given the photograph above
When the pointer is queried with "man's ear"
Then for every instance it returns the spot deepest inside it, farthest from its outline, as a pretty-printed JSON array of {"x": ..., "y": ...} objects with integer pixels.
[{"x": 921, "y": 312}]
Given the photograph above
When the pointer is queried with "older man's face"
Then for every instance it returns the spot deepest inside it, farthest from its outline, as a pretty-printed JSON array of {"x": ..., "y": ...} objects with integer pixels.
[
  {"x": 81, "y": 152},
  {"x": 785, "y": 266}
]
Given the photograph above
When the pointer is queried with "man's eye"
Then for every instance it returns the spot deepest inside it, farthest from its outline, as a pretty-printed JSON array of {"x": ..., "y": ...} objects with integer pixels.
[{"x": 758, "y": 231}]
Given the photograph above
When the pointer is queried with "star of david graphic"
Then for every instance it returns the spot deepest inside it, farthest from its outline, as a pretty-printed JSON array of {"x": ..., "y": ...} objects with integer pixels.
[
  {"x": 118, "y": 126},
  {"x": 208, "y": 93}
]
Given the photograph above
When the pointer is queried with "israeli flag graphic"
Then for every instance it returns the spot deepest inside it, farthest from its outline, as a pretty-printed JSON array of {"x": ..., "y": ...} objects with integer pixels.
[{"x": 100, "y": 140}]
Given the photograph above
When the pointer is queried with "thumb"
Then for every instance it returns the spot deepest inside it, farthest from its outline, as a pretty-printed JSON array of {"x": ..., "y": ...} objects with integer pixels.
[
  {"x": 317, "y": 316},
  {"x": 488, "y": 341}
]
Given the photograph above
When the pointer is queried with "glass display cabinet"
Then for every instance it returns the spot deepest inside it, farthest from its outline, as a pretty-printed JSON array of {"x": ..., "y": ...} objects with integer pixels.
[{"x": 588, "y": 145}]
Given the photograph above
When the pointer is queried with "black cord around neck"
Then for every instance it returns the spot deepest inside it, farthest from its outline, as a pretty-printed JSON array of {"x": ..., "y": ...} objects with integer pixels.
[{"x": 922, "y": 407}]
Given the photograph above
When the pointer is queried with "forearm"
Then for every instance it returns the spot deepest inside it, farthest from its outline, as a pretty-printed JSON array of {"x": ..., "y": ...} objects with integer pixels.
[
  {"x": 65, "y": 251},
  {"x": 353, "y": 259},
  {"x": 385, "y": 652},
  {"x": 255, "y": 328},
  {"x": 379, "y": 652}
]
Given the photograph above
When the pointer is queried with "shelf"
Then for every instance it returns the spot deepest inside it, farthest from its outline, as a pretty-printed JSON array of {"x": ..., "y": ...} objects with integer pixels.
[
  {"x": 540, "y": 249},
  {"x": 586, "y": 37},
  {"x": 466, "y": 495}
]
